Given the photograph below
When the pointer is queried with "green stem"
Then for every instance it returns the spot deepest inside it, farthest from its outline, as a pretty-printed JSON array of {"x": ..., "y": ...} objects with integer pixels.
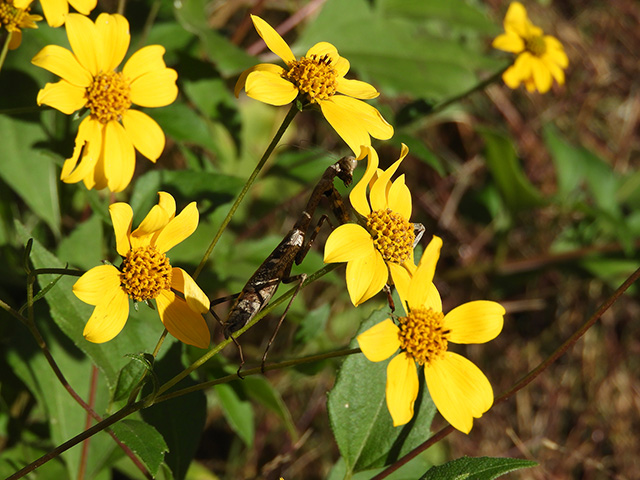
[
  {"x": 285, "y": 124},
  {"x": 5, "y": 49},
  {"x": 527, "y": 379},
  {"x": 256, "y": 371},
  {"x": 311, "y": 278}
]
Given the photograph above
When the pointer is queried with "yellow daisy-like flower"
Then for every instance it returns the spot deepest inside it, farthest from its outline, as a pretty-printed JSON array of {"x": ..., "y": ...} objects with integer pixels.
[
  {"x": 104, "y": 153},
  {"x": 541, "y": 58},
  {"x": 14, "y": 16},
  {"x": 458, "y": 388},
  {"x": 385, "y": 245},
  {"x": 55, "y": 11},
  {"x": 146, "y": 274},
  {"x": 319, "y": 78}
]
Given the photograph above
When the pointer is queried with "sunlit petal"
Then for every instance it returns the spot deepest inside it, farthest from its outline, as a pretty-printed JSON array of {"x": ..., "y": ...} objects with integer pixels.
[
  {"x": 264, "y": 67},
  {"x": 121, "y": 218},
  {"x": 378, "y": 195},
  {"x": 380, "y": 341},
  {"x": 347, "y": 242},
  {"x": 183, "y": 225},
  {"x": 62, "y": 96},
  {"x": 182, "y": 322},
  {"x": 155, "y": 89},
  {"x": 193, "y": 294},
  {"x": 63, "y": 63},
  {"x": 365, "y": 277},
  {"x": 119, "y": 157},
  {"x": 402, "y": 388},
  {"x": 399, "y": 198},
  {"x": 83, "y": 6},
  {"x": 84, "y": 41},
  {"x": 423, "y": 277},
  {"x": 356, "y": 89},
  {"x": 274, "y": 41},
  {"x": 509, "y": 42},
  {"x": 541, "y": 76},
  {"x": 458, "y": 388},
  {"x": 147, "y": 60},
  {"x": 113, "y": 32},
  {"x": 107, "y": 319},
  {"x": 269, "y": 87},
  {"x": 88, "y": 143},
  {"x": 401, "y": 279},
  {"x": 475, "y": 322},
  {"x": 55, "y": 11},
  {"x": 358, "y": 196},
  {"x": 145, "y": 134},
  {"x": 98, "y": 284}
]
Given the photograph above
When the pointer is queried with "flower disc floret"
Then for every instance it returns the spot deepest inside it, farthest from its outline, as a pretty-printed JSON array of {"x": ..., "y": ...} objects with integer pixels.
[
  {"x": 422, "y": 335},
  {"x": 109, "y": 97},
  {"x": 145, "y": 273},
  {"x": 15, "y": 16},
  {"x": 536, "y": 45},
  {"x": 314, "y": 76},
  {"x": 392, "y": 234}
]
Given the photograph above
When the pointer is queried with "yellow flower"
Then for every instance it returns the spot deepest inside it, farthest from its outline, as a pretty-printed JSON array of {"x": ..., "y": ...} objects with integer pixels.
[
  {"x": 14, "y": 15},
  {"x": 55, "y": 11},
  {"x": 385, "y": 245},
  {"x": 319, "y": 77},
  {"x": 104, "y": 153},
  {"x": 458, "y": 388},
  {"x": 146, "y": 274},
  {"x": 541, "y": 58}
]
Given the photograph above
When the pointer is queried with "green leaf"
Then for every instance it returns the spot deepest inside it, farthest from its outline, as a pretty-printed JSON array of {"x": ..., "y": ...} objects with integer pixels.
[
  {"x": 418, "y": 149},
  {"x": 229, "y": 58},
  {"x": 144, "y": 441},
  {"x": 184, "y": 125},
  {"x": 131, "y": 374},
  {"x": 238, "y": 412},
  {"x": 359, "y": 417},
  {"x": 516, "y": 189},
  {"x": 29, "y": 171},
  {"x": 82, "y": 248},
  {"x": 480, "y": 468},
  {"x": 261, "y": 390}
]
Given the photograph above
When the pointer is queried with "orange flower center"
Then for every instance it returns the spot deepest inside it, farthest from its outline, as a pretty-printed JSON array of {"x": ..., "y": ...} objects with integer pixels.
[
  {"x": 108, "y": 97},
  {"x": 422, "y": 335},
  {"x": 536, "y": 45},
  {"x": 314, "y": 76},
  {"x": 13, "y": 18},
  {"x": 392, "y": 235},
  {"x": 145, "y": 272}
]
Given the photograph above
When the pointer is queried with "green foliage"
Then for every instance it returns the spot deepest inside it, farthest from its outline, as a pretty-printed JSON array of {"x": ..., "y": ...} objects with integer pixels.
[{"x": 483, "y": 468}]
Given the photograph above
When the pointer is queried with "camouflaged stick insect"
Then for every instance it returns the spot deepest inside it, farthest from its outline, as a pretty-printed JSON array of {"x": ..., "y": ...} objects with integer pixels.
[{"x": 263, "y": 284}]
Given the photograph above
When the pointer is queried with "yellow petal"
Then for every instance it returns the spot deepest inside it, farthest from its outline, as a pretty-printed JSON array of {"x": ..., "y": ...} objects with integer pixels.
[
  {"x": 108, "y": 319},
  {"x": 113, "y": 34},
  {"x": 121, "y": 218},
  {"x": 321, "y": 49},
  {"x": 556, "y": 72},
  {"x": 542, "y": 76},
  {"x": 516, "y": 19},
  {"x": 193, "y": 294},
  {"x": 55, "y": 11},
  {"x": 401, "y": 279},
  {"x": 380, "y": 341},
  {"x": 155, "y": 89},
  {"x": 511, "y": 78},
  {"x": 378, "y": 195},
  {"x": 89, "y": 143},
  {"x": 83, "y": 39},
  {"x": 399, "y": 198},
  {"x": 365, "y": 277},
  {"x": 475, "y": 322},
  {"x": 356, "y": 89},
  {"x": 62, "y": 96},
  {"x": 423, "y": 277},
  {"x": 148, "y": 59},
  {"x": 98, "y": 284},
  {"x": 458, "y": 388},
  {"x": 264, "y": 67},
  {"x": 158, "y": 217},
  {"x": 402, "y": 388},
  {"x": 274, "y": 41},
  {"x": 355, "y": 121},
  {"x": 83, "y": 6},
  {"x": 358, "y": 196},
  {"x": 119, "y": 157},
  {"x": 347, "y": 242},
  {"x": 145, "y": 134},
  {"x": 183, "y": 323},
  {"x": 509, "y": 42},
  {"x": 269, "y": 87},
  {"x": 178, "y": 228},
  {"x": 63, "y": 63}
]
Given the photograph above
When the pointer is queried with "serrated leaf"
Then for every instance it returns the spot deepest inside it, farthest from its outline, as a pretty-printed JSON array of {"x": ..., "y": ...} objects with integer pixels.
[
  {"x": 516, "y": 189},
  {"x": 143, "y": 440},
  {"x": 478, "y": 468},
  {"x": 238, "y": 412},
  {"x": 361, "y": 423}
]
